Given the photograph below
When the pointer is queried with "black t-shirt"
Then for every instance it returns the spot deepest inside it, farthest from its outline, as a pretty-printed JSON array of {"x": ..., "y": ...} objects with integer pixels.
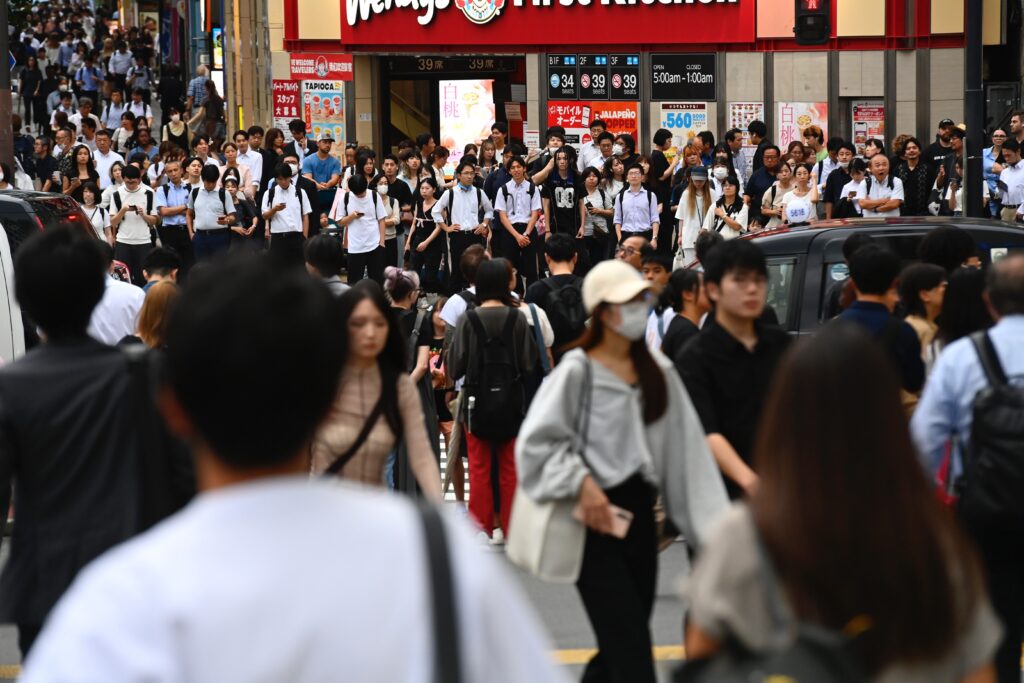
[
  {"x": 837, "y": 180},
  {"x": 44, "y": 169},
  {"x": 729, "y": 384},
  {"x": 563, "y": 192},
  {"x": 407, "y": 321},
  {"x": 679, "y": 331},
  {"x": 659, "y": 164},
  {"x": 936, "y": 155}
]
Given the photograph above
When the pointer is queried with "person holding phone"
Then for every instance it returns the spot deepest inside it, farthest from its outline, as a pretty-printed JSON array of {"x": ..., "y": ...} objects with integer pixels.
[
  {"x": 82, "y": 171},
  {"x": 286, "y": 210},
  {"x": 362, "y": 213},
  {"x": 211, "y": 213},
  {"x": 132, "y": 217},
  {"x": 638, "y": 433}
]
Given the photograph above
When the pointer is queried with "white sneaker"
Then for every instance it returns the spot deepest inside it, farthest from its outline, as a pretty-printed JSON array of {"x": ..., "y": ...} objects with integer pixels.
[{"x": 498, "y": 537}]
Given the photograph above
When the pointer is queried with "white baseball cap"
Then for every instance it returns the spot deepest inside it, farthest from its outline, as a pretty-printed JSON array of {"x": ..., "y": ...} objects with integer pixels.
[{"x": 612, "y": 282}]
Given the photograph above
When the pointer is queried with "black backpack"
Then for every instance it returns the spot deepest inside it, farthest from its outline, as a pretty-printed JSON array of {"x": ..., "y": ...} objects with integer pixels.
[
  {"x": 991, "y": 490},
  {"x": 149, "y": 201},
  {"x": 220, "y": 193},
  {"x": 844, "y": 208},
  {"x": 495, "y": 394},
  {"x": 564, "y": 306}
]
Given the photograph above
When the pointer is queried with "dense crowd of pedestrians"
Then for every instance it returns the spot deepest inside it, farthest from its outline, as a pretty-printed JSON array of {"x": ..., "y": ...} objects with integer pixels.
[{"x": 582, "y": 333}]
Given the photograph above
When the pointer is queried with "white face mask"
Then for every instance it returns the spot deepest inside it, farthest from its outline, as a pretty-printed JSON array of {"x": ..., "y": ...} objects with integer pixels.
[
  {"x": 616, "y": 150},
  {"x": 175, "y": 117},
  {"x": 843, "y": 164},
  {"x": 721, "y": 173},
  {"x": 62, "y": 88},
  {"x": 633, "y": 320},
  {"x": 295, "y": 168},
  {"x": 383, "y": 190}
]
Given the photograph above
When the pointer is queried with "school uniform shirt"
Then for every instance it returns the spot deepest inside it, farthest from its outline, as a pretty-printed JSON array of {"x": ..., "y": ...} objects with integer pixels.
[
  {"x": 120, "y": 62},
  {"x": 636, "y": 211},
  {"x": 133, "y": 229},
  {"x": 99, "y": 218},
  {"x": 103, "y": 162},
  {"x": 657, "y": 326},
  {"x": 519, "y": 205},
  {"x": 1012, "y": 185},
  {"x": 76, "y": 121},
  {"x": 856, "y": 188},
  {"x": 116, "y": 316},
  {"x": 139, "y": 76},
  {"x": 599, "y": 199},
  {"x": 464, "y": 207},
  {"x": 880, "y": 190},
  {"x": 348, "y": 599},
  {"x": 822, "y": 170},
  {"x": 364, "y": 232},
  {"x": 693, "y": 219},
  {"x": 253, "y": 160},
  {"x": 140, "y": 109},
  {"x": 589, "y": 152},
  {"x": 207, "y": 208},
  {"x": 110, "y": 118},
  {"x": 288, "y": 219},
  {"x": 170, "y": 196},
  {"x": 738, "y": 212}
]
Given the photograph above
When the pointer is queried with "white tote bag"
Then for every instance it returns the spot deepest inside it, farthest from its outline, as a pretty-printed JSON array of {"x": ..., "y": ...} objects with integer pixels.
[{"x": 544, "y": 538}]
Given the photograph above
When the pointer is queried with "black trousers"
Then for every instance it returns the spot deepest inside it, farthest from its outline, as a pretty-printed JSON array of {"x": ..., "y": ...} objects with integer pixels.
[
  {"x": 524, "y": 259},
  {"x": 366, "y": 265},
  {"x": 596, "y": 248},
  {"x": 427, "y": 263},
  {"x": 176, "y": 237},
  {"x": 286, "y": 248},
  {"x": 458, "y": 243},
  {"x": 132, "y": 256},
  {"x": 617, "y": 584},
  {"x": 391, "y": 252},
  {"x": 1002, "y": 554}
]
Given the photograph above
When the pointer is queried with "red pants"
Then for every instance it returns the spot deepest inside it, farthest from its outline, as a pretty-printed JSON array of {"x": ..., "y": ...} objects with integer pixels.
[{"x": 481, "y": 454}]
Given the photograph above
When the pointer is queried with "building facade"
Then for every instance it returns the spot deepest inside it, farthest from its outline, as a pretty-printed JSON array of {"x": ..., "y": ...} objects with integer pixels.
[{"x": 378, "y": 71}]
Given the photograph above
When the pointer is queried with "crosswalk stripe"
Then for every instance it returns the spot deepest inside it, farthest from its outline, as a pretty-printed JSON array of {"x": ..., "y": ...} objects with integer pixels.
[{"x": 662, "y": 653}]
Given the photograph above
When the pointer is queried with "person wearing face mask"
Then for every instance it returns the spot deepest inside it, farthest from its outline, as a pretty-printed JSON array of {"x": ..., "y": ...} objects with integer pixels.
[
  {"x": 309, "y": 189},
  {"x": 176, "y": 131},
  {"x": 611, "y": 426},
  {"x": 393, "y": 215},
  {"x": 839, "y": 177}
]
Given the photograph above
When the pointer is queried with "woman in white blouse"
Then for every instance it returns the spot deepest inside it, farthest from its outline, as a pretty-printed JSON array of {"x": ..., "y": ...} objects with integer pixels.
[
  {"x": 694, "y": 203},
  {"x": 728, "y": 215},
  {"x": 98, "y": 217},
  {"x": 798, "y": 204}
]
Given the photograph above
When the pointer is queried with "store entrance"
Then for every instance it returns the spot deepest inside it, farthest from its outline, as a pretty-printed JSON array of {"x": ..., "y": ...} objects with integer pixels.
[{"x": 454, "y": 98}]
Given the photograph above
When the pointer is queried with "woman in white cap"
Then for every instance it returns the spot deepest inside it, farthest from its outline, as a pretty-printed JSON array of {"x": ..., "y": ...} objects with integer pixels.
[{"x": 610, "y": 427}]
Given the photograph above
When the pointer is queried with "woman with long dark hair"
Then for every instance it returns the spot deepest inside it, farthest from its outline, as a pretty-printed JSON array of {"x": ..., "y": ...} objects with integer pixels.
[
  {"x": 470, "y": 356},
  {"x": 377, "y": 405},
  {"x": 610, "y": 425},
  {"x": 427, "y": 245},
  {"x": 847, "y": 521},
  {"x": 82, "y": 171}
]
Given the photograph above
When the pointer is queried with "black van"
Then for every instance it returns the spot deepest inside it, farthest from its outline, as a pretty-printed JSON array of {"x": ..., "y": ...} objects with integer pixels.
[
  {"x": 804, "y": 262},
  {"x": 22, "y": 213}
]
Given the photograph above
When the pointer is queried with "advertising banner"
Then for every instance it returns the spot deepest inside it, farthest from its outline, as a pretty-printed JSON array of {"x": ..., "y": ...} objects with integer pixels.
[
  {"x": 794, "y": 117},
  {"x": 868, "y": 122},
  {"x": 684, "y": 120},
  {"x": 575, "y": 117},
  {"x": 467, "y": 112},
  {"x": 741, "y": 114},
  {"x": 286, "y": 105},
  {"x": 369, "y": 23},
  {"x": 327, "y": 67},
  {"x": 323, "y": 108}
]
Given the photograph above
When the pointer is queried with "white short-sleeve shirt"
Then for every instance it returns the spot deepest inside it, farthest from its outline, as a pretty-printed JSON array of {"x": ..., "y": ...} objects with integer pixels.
[{"x": 881, "y": 190}]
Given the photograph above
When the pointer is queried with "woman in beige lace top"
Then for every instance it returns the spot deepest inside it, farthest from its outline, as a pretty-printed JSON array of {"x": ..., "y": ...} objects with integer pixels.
[{"x": 375, "y": 363}]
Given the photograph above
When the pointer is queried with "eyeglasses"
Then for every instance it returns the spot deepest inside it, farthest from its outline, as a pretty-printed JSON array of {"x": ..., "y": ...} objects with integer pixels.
[{"x": 628, "y": 251}]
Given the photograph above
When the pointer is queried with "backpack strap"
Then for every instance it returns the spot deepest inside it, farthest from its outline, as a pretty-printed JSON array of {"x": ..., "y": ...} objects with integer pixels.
[
  {"x": 335, "y": 467},
  {"x": 149, "y": 202},
  {"x": 223, "y": 200},
  {"x": 990, "y": 363},
  {"x": 195, "y": 195},
  {"x": 447, "y": 662},
  {"x": 116, "y": 197},
  {"x": 539, "y": 336}
]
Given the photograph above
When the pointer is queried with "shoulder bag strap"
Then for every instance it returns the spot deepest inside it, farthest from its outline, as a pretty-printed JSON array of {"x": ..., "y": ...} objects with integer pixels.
[
  {"x": 335, "y": 467},
  {"x": 989, "y": 359},
  {"x": 539, "y": 336},
  {"x": 581, "y": 433},
  {"x": 447, "y": 663}
]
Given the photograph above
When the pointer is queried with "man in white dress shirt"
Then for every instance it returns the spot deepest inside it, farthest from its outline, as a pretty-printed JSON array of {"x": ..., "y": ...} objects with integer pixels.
[
  {"x": 881, "y": 195},
  {"x": 199, "y": 598},
  {"x": 465, "y": 213},
  {"x": 116, "y": 316},
  {"x": 249, "y": 158}
]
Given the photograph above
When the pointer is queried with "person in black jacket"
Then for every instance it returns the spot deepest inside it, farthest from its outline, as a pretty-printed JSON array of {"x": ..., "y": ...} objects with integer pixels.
[
  {"x": 73, "y": 419},
  {"x": 300, "y": 146}
]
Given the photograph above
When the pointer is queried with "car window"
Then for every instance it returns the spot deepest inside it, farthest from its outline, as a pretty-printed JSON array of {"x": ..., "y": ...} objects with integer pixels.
[
  {"x": 58, "y": 212},
  {"x": 781, "y": 276},
  {"x": 19, "y": 227}
]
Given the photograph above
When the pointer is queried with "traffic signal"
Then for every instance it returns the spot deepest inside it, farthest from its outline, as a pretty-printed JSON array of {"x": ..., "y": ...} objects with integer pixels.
[{"x": 813, "y": 22}]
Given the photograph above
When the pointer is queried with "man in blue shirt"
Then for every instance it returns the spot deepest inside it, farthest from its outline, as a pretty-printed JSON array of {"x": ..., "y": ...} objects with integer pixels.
[
  {"x": 324, "y": 170},
  {"x": 172, "y": 205},
  {"x": 946, "y": 409},
  {"x": 874, "y": 271},
  {"x": 88, "y": 78}
]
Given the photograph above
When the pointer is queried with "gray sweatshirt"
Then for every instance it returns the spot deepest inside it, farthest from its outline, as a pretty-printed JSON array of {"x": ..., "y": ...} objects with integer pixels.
[{"x": 671, "y": 453}]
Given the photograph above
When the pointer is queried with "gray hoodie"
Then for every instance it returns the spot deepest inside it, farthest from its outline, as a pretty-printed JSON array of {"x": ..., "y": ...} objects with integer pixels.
[{"x": 671, "y": 453}]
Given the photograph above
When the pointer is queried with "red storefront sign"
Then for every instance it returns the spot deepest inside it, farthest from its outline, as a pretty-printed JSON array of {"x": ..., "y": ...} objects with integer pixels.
[
  {"x": 575, "y": 117},
  {"x": 376, "y": 23},
  {"x": 321, "y": 67}
]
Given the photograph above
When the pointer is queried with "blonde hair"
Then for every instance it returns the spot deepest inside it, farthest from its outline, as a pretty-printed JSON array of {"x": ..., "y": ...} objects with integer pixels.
[{"x": 156, "y": 311}]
